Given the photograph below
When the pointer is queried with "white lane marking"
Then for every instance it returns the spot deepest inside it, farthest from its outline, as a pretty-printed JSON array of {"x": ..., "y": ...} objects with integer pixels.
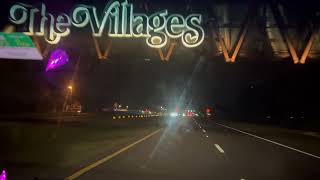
[
  {"x": 219, "y": 148},
  {"x": 242, "y": 179},
  {"x": 203, "y": 130},
  {"x": 207, "y": 136},
  {"x": 270, "y": 141}
]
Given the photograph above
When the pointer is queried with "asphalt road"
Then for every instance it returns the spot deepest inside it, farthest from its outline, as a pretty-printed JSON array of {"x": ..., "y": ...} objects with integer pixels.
[{"x": 197, "y": 149}]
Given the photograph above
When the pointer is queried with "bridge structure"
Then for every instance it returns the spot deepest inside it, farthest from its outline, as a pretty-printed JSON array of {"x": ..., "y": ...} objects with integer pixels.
[{"x": 234, "y": 30}]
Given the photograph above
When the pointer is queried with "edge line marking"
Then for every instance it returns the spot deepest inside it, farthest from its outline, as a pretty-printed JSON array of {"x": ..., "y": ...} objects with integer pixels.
[{"x": 270, "y": 141}]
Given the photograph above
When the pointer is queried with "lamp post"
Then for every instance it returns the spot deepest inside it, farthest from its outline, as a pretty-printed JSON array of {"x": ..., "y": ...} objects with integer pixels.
[{"x": 70, "y": 89}]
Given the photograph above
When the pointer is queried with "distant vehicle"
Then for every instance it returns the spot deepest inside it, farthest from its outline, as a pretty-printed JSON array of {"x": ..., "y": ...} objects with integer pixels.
[
  {"x": 189, "y": 113},
  {"x": 208, "y": 113}
]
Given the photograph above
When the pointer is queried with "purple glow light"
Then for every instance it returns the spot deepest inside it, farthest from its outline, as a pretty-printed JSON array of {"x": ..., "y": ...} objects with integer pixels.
[
  {"x": 3, "y": 175},
  {"x": 57, "y": 59}
]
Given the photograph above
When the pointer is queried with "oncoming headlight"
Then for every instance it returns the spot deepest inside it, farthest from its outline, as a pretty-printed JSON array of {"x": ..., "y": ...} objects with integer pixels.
[{"x": 173, "y": 114}]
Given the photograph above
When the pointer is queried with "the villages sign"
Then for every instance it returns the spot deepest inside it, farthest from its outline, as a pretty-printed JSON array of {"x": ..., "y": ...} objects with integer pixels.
[{"x": 116, "y": 20}]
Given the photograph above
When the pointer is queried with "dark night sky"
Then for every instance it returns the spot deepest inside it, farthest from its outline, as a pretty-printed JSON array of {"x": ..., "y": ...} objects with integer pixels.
[{"x": 254, "y": 85}]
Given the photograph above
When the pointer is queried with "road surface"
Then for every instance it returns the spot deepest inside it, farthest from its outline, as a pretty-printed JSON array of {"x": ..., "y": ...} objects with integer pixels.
[{"x": 197, "y": 149}]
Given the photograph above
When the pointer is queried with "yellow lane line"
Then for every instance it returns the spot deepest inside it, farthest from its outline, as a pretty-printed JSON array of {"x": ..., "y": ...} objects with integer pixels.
[{"x": 107, "y": 158}]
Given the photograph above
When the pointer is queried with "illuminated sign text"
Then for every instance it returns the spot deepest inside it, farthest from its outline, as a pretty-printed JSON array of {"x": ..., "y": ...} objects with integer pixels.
[{"x": 117, "y": 20}]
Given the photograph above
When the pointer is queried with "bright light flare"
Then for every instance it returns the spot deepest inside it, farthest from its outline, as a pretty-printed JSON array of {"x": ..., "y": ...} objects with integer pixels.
[
  {"x": 3, "y": 175},
  {"x": 173, "y": 114},
  {"x": 57, "y": 59}
]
